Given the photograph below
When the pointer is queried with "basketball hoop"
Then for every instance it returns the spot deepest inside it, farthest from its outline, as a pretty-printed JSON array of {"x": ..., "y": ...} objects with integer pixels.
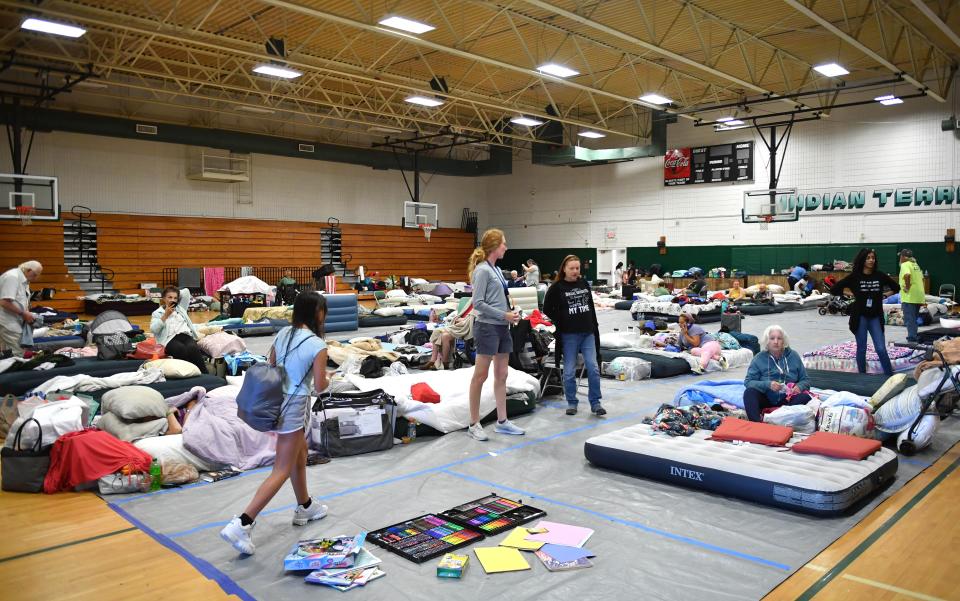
[
  {"x": 768, "y": 218},
  {"x": 26, "y": 214},
  {"x": 427, "y": 230}
]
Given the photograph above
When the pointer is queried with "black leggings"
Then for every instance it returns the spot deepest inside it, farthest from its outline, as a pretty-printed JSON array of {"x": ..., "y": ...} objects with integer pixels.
[
  {"x": 183, "y": 346},
  {"x": 754, "y": 402}
]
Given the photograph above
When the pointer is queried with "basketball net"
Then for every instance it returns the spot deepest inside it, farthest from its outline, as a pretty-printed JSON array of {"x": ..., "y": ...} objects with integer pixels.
[
  {"x": 26, "y": 214},
  {"x": 768, "y": 218},
  {"x": 427, "y": 230}
]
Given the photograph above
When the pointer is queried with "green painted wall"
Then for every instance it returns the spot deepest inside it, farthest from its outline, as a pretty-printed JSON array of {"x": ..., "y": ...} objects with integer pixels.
[
  {"x": 944, "y": 267},
  {"x": 548, "y": 259}
]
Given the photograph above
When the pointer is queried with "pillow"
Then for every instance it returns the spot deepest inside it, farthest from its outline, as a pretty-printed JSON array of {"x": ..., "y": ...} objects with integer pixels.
[
  {"x": 891, "y": 388},
  {"x": 396, "y": 294},
  {"x": 388, "y": 311},
  {"x": 842, "y": 446},
  {"x": 135, "y": 402},
  {"x": 173, "y": 369},
  {"x": 221, "y": 343},
  {"x": 738, "y": 429},
  {"x": 429, "y": 299},
  {"x": 170, "y": 448}
]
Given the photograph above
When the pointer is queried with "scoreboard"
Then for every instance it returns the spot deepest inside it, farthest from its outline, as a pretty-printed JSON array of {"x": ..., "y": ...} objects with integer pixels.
[{"x": 708, "y": 164}]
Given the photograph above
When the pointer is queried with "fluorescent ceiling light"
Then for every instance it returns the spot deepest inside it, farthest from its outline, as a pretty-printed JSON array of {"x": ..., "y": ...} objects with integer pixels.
[
  {"x": 255, "y": 109},
  {"x": 730, "y": 125},
  {"x": 734, "y": 122},
  {"x": 591, "y": 134},
  {"x": 526, "y": 121},
  {"x": 724, "y": 119},
  {"x": 277, "y": 71},
  {"x": 94, "y": 85},
  {"x": 406, "y": 24},
  {"x": 424, "y": 101},
  {"x": 50, "y": 27},
  {"x": 831, "y": 70},
  {"x": 888, "y": 100},
  {"x": 655, "y": 99},
  {"x": 557, "y": 70}
]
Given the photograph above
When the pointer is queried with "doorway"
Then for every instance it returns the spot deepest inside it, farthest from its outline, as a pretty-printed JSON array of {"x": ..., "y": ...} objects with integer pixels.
[{"x": 607, "y": 259}]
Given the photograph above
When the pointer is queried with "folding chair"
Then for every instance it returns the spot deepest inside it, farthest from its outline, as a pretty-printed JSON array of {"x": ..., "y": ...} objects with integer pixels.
[{"x": 551, "y": 370}]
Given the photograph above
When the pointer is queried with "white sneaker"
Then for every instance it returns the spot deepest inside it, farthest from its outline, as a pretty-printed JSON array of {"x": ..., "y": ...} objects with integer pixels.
[
  {"x": 723, "y": 363},
  {"x": 476, "y": 432},
  {"x": 697, "y": 369},
  {"x": 508, "y": 428},
  {"x": 238, "y": 535},
  {"x": 316, "y": 511}
]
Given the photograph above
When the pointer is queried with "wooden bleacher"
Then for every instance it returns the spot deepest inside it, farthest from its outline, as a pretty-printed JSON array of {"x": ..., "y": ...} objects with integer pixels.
[
  {"x": 138, "y": 247},
  {"x": 41, "y": 241}
]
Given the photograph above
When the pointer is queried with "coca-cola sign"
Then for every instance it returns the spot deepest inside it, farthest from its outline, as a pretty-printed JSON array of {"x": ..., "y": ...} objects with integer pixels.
[{"x": 676, "y": 166}]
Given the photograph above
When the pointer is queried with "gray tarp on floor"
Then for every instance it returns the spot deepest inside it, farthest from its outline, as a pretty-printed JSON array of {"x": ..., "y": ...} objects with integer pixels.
[{"x": 653, "y": 540}]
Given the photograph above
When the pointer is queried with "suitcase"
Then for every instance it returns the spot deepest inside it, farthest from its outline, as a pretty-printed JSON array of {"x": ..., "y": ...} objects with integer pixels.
[{"x": 731, "y": 321}]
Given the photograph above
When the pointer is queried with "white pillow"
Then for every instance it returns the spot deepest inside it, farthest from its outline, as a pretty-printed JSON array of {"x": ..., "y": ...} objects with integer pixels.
[
  {"x": 430, "y": 299},
  {"x": 173, "y": 369},
  {"x": 388, "y": 311},
  {"x": 170, "y": 448},
  {"x": 396, "y": 294}
]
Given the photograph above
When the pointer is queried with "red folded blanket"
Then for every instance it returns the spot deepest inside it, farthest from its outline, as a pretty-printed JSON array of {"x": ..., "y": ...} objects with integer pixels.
[
  {"x": 737, "y": 429},
  {"x": 843, "y": 446}
]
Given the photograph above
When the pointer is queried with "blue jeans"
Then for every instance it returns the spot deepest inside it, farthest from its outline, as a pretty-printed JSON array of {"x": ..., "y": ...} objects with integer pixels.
[
  {"x": 910, "y": 313},
  {"x": 586, "y": 345},
  {"x": 874, "y": 325}
]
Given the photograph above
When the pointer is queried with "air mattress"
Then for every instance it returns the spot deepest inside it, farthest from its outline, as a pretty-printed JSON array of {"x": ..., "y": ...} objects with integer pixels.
[
  {"x": 661, "y": 367},
  {"x": 812, "y": 484}
]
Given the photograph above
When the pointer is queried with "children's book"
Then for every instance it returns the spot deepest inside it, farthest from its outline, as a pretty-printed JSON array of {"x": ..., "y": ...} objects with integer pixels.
[
  {"x": 324, "y": 553},
  {"x": 557, "y": 566}
]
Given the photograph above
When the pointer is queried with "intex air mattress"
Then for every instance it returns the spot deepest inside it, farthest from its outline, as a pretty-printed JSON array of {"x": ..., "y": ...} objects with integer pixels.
[{"x": 812, "y": 484}]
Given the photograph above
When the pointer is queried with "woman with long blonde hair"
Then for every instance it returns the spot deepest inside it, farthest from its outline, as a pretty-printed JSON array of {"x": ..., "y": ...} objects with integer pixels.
[{"x": 491, "y": 331}]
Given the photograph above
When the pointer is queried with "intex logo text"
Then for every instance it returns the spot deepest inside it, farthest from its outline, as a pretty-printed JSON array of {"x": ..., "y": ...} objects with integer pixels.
[{"x": 685, "y": 473}]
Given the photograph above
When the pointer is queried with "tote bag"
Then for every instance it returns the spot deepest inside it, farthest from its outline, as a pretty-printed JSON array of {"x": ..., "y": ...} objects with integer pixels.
[{"x": 24, "y": 470}]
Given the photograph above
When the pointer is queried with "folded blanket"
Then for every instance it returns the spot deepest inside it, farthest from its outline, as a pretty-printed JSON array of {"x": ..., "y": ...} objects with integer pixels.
[
  {"x": 85, "y": 383},
  {"x": 728, "y": 391}
]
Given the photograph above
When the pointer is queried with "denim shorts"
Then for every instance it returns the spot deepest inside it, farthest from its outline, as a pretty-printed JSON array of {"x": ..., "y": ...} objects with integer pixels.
[
  {"x": 293, "y": 416},
  {"x": 492, "y": 339}
]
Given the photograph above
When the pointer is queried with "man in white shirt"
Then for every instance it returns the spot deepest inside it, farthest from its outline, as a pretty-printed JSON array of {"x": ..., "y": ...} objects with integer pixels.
[{"x": 14, "y": 305}]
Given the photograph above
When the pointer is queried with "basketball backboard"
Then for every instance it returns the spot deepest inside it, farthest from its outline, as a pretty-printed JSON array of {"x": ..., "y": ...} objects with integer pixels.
[
  {"x": 417, "y": 214},
  {"x": 39, "y": 192},
  {"x": 768, "y": 206}
]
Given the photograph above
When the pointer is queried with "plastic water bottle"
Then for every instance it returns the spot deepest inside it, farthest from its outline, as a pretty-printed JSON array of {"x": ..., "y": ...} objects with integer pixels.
[
  {"x": 156, "y": 475},
  {"x": 411, "y": 432}
]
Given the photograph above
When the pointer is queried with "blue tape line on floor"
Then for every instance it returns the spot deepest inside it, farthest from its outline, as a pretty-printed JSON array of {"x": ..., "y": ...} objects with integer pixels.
[
  {"x": 625, "y": 522},
  {"x": 424, "y": 472},
  {"x": 923, "y": 464},
  {"x": 203, "y": 566}
]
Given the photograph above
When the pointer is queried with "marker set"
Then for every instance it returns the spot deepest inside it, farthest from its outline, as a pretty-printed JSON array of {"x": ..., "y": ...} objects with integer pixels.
[{"x": 493, "y": 514}]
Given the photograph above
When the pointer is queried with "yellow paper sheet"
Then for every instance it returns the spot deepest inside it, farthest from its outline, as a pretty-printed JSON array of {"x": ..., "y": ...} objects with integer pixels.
[
  {"x": 500, "y": 559},
  {"x": 516, "y": 539}
]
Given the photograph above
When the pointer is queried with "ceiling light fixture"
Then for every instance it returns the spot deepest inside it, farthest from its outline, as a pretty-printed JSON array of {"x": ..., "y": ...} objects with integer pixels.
[
  {"x": 591, "y": 134},
  {"x": 888, "y": 100},
  {"x": 44, "y": 26},
  {"x": 93, "y": 85},
  {"x": 526, "y": 121},
  {"x": 831, "y": 70},
  {"x": 733, "y": 122},
  {"x": 276, "y": 71},
  {"x": 724, "y": 119},
  {"x": 655, "y": 99},
  {"x": 255, "y": 109},
  {"x": 405, "y": 24},
  {"x": 557, "y": 70},
  {"x": 424, "y": 101}
]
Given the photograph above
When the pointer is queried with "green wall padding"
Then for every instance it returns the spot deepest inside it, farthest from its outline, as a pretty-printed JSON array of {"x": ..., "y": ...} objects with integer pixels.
[{"x": 548, "y": 259}]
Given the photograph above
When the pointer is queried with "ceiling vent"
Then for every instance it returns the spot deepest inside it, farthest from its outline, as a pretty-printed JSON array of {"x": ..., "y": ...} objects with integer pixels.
[{"x": 150, "y": 130}]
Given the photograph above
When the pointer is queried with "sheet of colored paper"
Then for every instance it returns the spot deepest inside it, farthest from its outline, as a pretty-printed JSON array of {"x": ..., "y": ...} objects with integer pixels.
[
  {"x": 500, "y": 559},
  {"x": 561, "y": 534},
  {"x": 563, "y": 553},
  {"x": 516, "y": 539}
]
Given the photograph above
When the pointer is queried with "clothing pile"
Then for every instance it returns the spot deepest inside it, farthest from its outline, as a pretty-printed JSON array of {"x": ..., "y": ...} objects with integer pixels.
[{"x": 684, "y": 421}]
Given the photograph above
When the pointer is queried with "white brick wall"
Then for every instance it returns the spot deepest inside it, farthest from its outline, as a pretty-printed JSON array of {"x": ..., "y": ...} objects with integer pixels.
[{"x": 860, "y": 148}]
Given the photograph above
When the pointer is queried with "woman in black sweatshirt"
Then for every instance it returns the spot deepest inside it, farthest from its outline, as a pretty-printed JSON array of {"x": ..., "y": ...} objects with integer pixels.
[
  {"x": 866, "y": 315},
  {"x": 569, "y": 304}
]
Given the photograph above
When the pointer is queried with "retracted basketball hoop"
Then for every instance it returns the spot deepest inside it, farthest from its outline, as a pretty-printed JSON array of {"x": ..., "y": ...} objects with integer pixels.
[
  {"x": 26, "y": 213},
  {"x": 427, "y": 230}
]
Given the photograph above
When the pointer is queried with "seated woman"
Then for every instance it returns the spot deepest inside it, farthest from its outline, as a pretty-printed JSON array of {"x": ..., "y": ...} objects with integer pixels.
[
  {"x": 173, "y": 328},
  {"x": 763, "y": 295},
  {"x": 695, "y": 340},
  {"x": 736, "y": 292},
  {"x": 698, "y": 286},
  {"x": 775, "y": 377}
]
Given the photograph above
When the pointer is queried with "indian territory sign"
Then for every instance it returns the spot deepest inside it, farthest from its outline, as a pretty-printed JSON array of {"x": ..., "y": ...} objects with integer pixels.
[{"x": 937, "y": 196}]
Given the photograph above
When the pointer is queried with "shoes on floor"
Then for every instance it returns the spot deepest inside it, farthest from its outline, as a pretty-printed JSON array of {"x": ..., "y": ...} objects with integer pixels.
[
  {"x": 697, "y": 369},
  {"x": 476, "y": 432},
  {"x": 598, "y": 410},
  {"x": 571, "y": 410},
  {"x": 316, "y": 511},
  {"x": 238, "y": 536},
  {"x": 506, "y": 427},
  {"x": 723, "y": 362}
]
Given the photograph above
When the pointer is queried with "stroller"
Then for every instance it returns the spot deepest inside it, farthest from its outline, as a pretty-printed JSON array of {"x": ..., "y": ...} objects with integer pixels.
[{"x": 837, "y": 305}]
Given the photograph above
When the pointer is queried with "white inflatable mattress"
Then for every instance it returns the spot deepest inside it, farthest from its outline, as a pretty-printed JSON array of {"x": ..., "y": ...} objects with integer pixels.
[{"x": 812, "y": 484}]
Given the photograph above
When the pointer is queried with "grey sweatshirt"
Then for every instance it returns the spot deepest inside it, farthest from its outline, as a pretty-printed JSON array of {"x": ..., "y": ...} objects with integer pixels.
[{"x": 489, "y": 300}]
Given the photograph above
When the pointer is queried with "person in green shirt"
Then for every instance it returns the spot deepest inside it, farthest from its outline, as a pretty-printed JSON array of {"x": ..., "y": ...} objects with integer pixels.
[
  {"x": 287, "y": 288},
  {"x": 912, "y": 295}
]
